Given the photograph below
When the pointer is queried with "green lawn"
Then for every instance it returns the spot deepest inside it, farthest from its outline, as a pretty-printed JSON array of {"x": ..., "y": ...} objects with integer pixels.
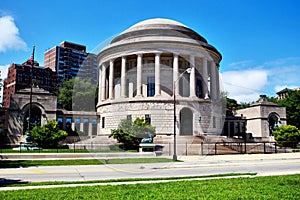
[
  {"x": 274, "y": 187},
  {"x": 12, "y": 183}
]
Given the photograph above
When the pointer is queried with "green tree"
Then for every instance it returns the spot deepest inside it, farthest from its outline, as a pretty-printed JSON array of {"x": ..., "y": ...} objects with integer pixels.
[
  {"x": 130, "y": 134},
  {"x": 287, "y": 136},
  {"x": 47, "y": 135},
  {"x": 65, "y": 94},
  {"x": 292, "y": 104},
  {"x": 78, "y": 94}
]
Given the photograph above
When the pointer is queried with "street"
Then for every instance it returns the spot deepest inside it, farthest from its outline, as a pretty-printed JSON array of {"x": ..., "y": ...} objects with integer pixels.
[{"x": 262, "y": 164}]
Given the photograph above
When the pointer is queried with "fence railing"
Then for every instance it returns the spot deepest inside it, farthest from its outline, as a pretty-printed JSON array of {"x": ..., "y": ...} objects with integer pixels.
[{"x": 166, "y": 149}]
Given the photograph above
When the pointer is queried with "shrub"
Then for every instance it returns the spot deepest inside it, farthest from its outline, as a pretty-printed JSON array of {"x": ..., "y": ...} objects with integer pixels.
[
  {"x": 130, "y": 134},
  {"x": 47, "y": 135},
  {"x": 287, "y": 136}
]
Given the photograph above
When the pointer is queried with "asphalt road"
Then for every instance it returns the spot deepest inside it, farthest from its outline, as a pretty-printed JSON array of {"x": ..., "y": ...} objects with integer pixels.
[{"x": 192, "y": 166}]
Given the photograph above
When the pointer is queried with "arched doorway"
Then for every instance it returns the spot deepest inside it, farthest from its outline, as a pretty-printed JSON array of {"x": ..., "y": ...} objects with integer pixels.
[
  {"x": 273, "y": 121},
  {"x": 186, "y": 122},
  {"x": 36, "y": 115}
]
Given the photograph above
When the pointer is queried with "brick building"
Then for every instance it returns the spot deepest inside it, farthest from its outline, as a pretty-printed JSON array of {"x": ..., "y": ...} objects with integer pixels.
[{"x": 18, "y": 77}]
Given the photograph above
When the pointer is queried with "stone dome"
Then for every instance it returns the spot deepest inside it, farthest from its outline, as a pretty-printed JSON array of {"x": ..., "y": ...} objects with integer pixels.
[
  {"x": 156, "y": 21},
  {"x": 159, "y": 29}
]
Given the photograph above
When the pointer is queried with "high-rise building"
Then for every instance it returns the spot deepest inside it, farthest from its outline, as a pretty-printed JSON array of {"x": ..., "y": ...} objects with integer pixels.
[
  {"x": 18, "y": 77},
  {"x": 71, "y": 60},
  {"x": 1, "y": 88}
]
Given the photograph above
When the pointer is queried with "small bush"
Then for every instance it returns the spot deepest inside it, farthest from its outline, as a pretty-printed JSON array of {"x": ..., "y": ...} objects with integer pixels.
[{"x": 287, "y": 136}]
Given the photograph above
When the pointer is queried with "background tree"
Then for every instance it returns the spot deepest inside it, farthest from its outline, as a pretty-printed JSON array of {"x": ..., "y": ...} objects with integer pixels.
[
  {"x": 66, "y": 93},
  {"x": 130, "y": 134},
  {"x": 78, "y": 94},
  {"x": 287, "y": 136},
  {"x": 292, "y": 104},
  {"x": 47, "y": 135}
]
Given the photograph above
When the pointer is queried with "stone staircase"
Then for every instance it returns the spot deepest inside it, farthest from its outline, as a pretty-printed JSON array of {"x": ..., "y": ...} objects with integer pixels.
[
  {"x": 95, "y": 142},
  {"x": 185, "y": 145},
  {"x": 193, "y": 145}
]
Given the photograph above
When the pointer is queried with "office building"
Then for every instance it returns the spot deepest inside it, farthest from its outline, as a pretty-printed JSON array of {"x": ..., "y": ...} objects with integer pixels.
[{"x": 71, "y": 60}]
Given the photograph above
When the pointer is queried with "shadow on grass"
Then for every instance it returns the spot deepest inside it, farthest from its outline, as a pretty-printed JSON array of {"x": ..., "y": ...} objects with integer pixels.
[
  {"x": 15, "y": 164},
  {"x": 7, "y": 182}
]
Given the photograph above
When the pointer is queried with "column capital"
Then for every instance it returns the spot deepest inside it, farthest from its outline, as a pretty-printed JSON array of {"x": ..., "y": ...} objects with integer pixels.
[
  {"x": 175, "y": 54},
  {"x": 104, "y": 65}
]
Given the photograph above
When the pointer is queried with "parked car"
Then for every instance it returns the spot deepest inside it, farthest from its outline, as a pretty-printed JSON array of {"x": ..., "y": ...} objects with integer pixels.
[{"x": 27, "y": 147}]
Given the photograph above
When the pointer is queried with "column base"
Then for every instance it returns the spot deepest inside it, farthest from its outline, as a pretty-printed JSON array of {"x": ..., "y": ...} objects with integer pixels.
[{"x": 193, "y": 97}]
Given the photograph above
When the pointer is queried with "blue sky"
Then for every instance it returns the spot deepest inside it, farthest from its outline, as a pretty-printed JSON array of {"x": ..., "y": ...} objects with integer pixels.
[{"x": 259, "y": 40}]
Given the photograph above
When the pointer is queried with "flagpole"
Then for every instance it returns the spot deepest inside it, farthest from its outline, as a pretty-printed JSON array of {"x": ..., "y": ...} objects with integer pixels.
[{"x": 30, "y": 97}]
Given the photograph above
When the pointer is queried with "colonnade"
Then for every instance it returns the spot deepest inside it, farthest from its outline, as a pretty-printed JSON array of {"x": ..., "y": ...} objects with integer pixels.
[{"x": 209, "y": 73}]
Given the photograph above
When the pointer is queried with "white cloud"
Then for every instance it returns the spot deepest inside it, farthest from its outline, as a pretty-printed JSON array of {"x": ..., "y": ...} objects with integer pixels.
[
  {"x": 4, "y": 71},
  {"x": 9, "y": 35},
  {"x": 239, "y": 64},
  {"x": 245, "y": 86},
  {"x": 284, "y": 73}
]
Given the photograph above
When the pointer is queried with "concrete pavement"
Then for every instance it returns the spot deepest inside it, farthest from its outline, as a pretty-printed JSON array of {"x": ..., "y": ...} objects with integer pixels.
[
  {"x": 239, "y": 157},
  {"x": 202, "y": 163}
]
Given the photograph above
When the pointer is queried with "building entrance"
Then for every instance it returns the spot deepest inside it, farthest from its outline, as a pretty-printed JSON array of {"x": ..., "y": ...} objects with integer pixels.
[{"x": 36, "y": 115}]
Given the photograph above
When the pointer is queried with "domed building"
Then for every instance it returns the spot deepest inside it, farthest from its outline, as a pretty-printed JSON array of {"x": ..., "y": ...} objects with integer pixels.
[{"x": 165, "y": 72}]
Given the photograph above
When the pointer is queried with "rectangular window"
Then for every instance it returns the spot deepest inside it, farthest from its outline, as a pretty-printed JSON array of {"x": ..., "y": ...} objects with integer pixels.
[
  {"x": 199, "y": 89},
  {"x": 77, "y": 124},
  {"x": 151, "y": 86},
  {"x": 60, "y": 122},
  {"x": 103, "y": 122},
  {"x": 148, "y": 119},
  {"x": 214, "y": 122},
  {"x": 68, "y": 123},
  {"x": 94, "y": 126},
  {"x": 86, "y": 126}
]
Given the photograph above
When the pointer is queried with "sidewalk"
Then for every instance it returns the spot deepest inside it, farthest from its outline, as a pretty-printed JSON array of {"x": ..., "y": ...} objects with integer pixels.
[{"x": 239, "y": 157}]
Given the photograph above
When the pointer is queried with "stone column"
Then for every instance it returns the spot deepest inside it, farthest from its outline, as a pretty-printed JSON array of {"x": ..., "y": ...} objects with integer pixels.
[
  {"x": 90, "y": 133},
  {"x": 139, "y": 75},
  {"x": 99, "y": 84},
  {"x": 157, "y": 74},
  {"x": 212, "y": 80},
  {"x": 205, "y": 77},
  {"x": 111, "y": 80},
  {"x": 123, "y": 77},
  {"x": 217, "y": 82},
  {"x": 175, "y": 73},
  {"x": 192, "y": 77},
  {"x": 103, "y": 82}
]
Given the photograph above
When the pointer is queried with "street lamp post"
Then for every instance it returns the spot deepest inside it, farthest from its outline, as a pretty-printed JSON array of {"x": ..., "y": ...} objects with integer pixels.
[{"x": 188, "y": 70}]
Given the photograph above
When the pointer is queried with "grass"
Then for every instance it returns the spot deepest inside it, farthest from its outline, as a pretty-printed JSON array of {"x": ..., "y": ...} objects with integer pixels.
[
  {"x": 29, "y": 163},
  {"x": 273, "y": 187},
  {"x": 24, "y": 184}
]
